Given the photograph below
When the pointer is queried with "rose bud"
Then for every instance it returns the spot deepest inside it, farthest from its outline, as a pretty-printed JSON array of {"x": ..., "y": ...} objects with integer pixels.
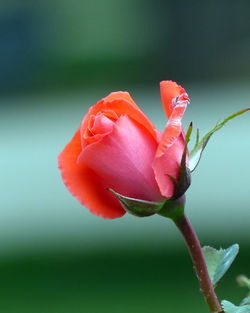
[{"x": 118, "y": 154}]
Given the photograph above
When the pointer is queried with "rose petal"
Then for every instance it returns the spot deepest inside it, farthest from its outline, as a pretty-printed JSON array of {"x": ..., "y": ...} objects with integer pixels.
[
  {"x": 169, "y": 90},
  {"x": 171, "y": 144},
  {"x": 102, "y": 125},
  {"x": 176, "y": 107},
  {"x": 169, "y": 164},
  {"x": 122, "y": 105},
  {"x": 120, "y": 95},
  {"x": 123, "y": 160},
  {"x": 85, "y": 184}
]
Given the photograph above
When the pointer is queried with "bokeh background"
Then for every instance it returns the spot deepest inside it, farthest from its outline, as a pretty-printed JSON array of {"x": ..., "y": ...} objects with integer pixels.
[{"x": 57, "y": 57}]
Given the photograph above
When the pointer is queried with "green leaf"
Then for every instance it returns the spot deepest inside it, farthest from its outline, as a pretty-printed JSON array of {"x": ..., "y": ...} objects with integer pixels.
[
  {"x": 229, "y": 307},
  {"x": 245, "y": 301},
  {"x": 219, "y": 261},
  {"x": 196, "y": 152},
  {"x": 138, "y": 207}
]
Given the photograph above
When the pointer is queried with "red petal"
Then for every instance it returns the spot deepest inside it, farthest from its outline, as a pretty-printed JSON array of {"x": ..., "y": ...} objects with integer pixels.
[
  {"x": 122, "y": 104},
  {"x": 123, "y": 159},
  {"x": 175, "y": 101},
  {"x": 84, "y": 184},
  {"x": 120, "y": 95},
  {"x": 171, "y": 144},
  {"x": 169, "y": 164},
  {"x": 170, "y": 90}
]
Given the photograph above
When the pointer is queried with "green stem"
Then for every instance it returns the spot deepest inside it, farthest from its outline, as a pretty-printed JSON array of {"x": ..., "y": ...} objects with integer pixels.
[{"x": 199, "y": 263}]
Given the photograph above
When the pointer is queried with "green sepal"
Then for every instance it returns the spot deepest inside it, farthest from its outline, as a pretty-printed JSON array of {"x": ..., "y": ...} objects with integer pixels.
[
  {"x": 138, "y": 207},
  {"x": 189, "y": 132},
  {"x": 196, "y": 152},
  {"x": 229, "y": 307},
  {"x": 173, "y": 208},
  {"x": 184, "y": 181},
  {"x": 219, "y": 261}
]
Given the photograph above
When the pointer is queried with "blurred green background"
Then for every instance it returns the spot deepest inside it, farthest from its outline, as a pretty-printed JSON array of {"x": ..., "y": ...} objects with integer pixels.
[{"x": 59, "y": 57}]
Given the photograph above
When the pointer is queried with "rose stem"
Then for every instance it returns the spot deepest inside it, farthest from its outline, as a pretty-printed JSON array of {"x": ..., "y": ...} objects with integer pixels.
[{"x": 199, "y": 263}]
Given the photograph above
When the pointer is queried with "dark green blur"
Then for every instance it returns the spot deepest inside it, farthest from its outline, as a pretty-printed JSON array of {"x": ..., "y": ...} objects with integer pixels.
[
  {"x": 58, "y": 43},
  {"x": 59, "y": 57},
  {"x": 103, "y": 282}
]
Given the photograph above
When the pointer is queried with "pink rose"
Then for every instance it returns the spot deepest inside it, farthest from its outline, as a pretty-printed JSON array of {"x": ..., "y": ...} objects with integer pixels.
[{"x": 118, "y": 147}]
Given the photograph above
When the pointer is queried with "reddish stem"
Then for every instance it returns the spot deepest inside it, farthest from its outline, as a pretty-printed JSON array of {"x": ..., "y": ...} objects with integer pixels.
[{"x": 199, "y": 263}]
